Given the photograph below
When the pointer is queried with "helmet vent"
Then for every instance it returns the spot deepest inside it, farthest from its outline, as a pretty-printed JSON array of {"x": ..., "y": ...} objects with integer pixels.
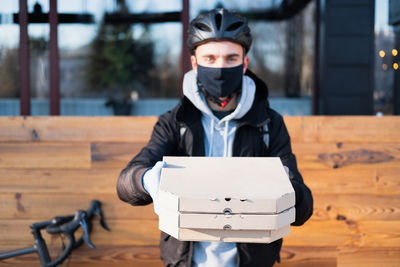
[
  {"x": 202, "y": 27},
  {"x": 234, "y": 26},
  {"x": 218, "y": 19}
]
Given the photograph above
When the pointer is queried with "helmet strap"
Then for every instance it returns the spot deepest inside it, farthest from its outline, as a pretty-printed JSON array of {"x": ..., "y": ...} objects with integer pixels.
[{"x": 214, "y": 99}]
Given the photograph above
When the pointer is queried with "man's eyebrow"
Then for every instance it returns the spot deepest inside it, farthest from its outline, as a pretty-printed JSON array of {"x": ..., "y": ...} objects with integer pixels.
[
  {"x": 233, "y": 55},
  {"x": 229, "y": 55}
]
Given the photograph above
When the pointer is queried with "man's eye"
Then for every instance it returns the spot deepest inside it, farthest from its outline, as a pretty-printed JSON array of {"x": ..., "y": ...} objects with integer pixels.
[
  {"x": 209, "y": 59},
  {"x": 232, "y": 59}
]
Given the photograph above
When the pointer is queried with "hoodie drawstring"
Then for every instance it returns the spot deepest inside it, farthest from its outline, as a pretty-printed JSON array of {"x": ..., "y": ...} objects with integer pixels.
[
  {"x": 211, "y": 138},
  {"x": 226, "y": 138}
]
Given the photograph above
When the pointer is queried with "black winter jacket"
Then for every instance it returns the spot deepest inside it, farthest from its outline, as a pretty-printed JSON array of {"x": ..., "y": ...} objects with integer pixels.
[{"x": 166, "y": 140}]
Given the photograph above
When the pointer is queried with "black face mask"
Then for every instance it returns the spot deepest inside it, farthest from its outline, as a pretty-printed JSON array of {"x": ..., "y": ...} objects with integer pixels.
[{"x": 220, "y": 82}]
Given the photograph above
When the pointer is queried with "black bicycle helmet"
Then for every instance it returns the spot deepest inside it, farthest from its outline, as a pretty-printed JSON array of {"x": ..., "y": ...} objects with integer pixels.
[{"x": 219, "y": 24}]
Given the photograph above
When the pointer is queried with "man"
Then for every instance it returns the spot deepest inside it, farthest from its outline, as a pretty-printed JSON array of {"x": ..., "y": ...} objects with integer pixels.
[{"x": 224, "y": 113}]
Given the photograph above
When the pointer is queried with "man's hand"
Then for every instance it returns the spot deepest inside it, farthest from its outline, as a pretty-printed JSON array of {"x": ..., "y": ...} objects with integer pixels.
[{"x": 151, "y": 182}]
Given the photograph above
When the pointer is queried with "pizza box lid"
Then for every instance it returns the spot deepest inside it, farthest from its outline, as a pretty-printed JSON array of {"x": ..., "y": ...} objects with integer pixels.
[{"x": 222, "y": 185}]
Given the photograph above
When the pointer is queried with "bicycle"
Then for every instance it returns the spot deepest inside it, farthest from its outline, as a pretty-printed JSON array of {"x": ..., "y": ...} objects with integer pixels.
[{"x": 63, "y": 225}]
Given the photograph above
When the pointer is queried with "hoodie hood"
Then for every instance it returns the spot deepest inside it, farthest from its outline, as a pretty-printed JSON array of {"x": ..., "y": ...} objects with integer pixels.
[{"x": 219, "y": 134}]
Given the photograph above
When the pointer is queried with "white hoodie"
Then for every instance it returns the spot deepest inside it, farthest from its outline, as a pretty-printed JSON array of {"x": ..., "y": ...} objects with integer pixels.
[{"x": 218, "y": 141}]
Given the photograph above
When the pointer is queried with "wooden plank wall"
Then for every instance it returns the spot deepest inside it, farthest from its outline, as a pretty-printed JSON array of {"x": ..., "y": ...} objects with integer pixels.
[{"x": 54, "y": 165}]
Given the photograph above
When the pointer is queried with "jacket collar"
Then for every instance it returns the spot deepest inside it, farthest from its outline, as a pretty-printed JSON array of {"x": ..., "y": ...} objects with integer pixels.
[{"x": 187, "y": 113}]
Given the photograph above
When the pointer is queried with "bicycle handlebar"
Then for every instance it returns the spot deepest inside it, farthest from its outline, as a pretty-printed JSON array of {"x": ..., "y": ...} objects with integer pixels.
[
  {"x": 67, "y": 225},
  {"x": 94, "y": 209},
  {"x": 64, "y": 226},
  {"x": 68, "y": 229}
]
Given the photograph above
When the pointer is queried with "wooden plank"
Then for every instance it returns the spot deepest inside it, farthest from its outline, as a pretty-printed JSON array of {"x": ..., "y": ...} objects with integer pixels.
[
  {"x": 101, "y": 256},
  {"x": 356, "y": 207},
  {"x": 59, "y": 180},
  {"x": 295, "y": 127},
  {"x": 369, "y": 257},
  {"x": 343, "y": 181},
  {"x": 114, "y": 155},
  {"x": 123, "y": 232},
  {"x": 43, "y": 207},
  {"x": 326, "y": 207},
  {"x": 315, "y": 156},
  {"x": 290, "y": 256},
  {"x": 118, "y": 256},
  {"x": 150, "y": 256},
  {"x": 353, "y": 129},
  {"x": 309, "y": 262},
  {"x": 44, "y": 155},
  {"x": 377, "y": 233},
  {"x": 348, "y": 156},
  {"x": 337, "y": 181},
  {"x": 319, "y": 234},
  {"x": 345, "y": 233},
  {"x": 304, "y": 256},
  {"x": 312, "y": 234},
  {"x": 76, "y": 129}
]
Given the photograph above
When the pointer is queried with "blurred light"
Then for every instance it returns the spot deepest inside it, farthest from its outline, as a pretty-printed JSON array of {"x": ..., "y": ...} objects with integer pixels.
[
  {"x": 384, "y": 66},
  {"x": 394, "y": 52},
  {"x": 382, "y": 53},
  {"x": 395, "y": 66}
]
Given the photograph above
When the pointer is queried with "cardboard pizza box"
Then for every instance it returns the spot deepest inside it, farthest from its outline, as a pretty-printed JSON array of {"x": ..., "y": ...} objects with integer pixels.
[{"x": 237, "y": 199}]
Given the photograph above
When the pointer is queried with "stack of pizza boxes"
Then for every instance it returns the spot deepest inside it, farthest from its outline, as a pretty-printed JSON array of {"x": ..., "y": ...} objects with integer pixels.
[{"x": 233, "y": 199}]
